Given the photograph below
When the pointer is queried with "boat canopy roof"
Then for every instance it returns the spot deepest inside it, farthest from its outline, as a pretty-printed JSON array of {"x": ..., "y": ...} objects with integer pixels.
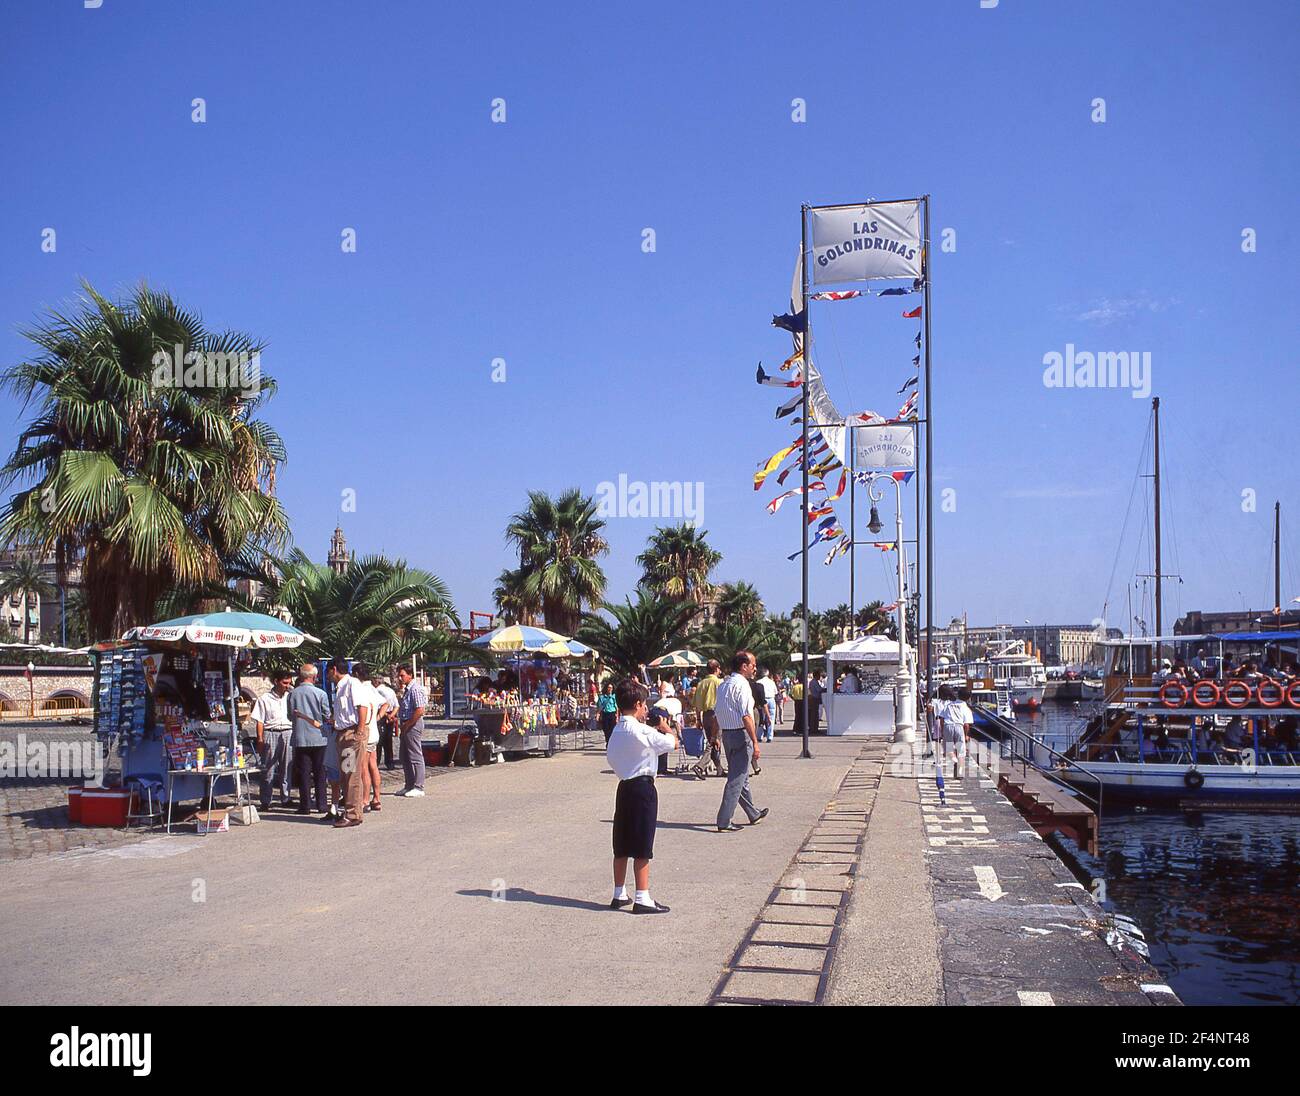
[{"x": 1228, "y": 637}]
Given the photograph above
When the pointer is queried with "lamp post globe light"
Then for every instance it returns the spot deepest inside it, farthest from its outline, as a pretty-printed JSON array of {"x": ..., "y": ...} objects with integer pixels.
[{"x": 905, "y": 678}]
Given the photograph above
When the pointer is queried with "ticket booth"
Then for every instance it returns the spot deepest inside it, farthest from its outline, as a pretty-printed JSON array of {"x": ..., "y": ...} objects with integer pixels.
[{"x": 859, "y": 697}]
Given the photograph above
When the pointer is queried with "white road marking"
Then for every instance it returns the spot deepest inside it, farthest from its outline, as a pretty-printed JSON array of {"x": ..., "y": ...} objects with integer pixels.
[
  {"x": 1034, "y": 997},
  {"x": 987, "y": 878}
]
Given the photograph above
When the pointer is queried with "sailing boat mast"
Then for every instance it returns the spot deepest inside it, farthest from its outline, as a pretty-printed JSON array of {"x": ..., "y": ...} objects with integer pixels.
[
  {"x": 1155, "y": 411},
  {"x": 1277, "y": 562}
]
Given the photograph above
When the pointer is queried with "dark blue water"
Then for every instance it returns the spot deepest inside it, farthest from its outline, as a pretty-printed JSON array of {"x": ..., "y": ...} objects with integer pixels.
[{"x": 1217, "y": 893}]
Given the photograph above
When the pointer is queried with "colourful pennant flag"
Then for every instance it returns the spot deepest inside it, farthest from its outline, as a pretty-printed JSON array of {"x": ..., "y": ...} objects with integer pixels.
[
  {"x": 844, "y": 479},
  {"x": 796, "y": 323},
  {"x": 895, "y": 292},
  {"x": 914, "y": 314},
  {"x": 916, "y": 360},
  {"x": 840, "y": 295},
  {"x": 772, "y": 462},
  {"x": 918, "y": 340},
  {"x": 907, "y": 384},
  {"x": 796, "y": 356},
  {"x": 790, "y": 407},
  {"x": 777, "y": 382},
  {"x": 775, "y": 504},
  {"x": 820, "y": 512},
  {"x": 908, "y": 409}
]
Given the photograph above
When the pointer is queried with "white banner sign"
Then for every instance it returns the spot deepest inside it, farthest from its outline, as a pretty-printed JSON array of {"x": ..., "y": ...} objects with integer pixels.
[
  {"x": 857, "y": 243},
  {"x": 890, "y": 448}
]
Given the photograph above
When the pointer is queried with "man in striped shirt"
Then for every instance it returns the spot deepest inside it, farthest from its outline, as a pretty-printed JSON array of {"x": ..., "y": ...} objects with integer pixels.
[{"x": 410, "y": 721}]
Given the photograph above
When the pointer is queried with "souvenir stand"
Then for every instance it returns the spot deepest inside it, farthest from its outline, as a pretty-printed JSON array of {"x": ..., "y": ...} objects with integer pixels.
[
  {"x": 527, "y": 719},
  {"x": 166, "y": 695}
]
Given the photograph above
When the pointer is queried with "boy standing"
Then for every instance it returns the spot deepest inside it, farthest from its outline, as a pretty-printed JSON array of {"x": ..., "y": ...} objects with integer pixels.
[{"x": 633, "y": 752}]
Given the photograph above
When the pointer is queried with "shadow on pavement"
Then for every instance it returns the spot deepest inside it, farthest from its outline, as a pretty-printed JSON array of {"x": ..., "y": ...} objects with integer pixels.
[{"x": 516, "y": 894}]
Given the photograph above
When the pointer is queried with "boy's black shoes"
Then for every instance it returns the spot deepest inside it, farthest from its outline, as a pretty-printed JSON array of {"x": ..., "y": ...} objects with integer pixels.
[
  {"x": 619, "y": 903},
  {"x": 654, "y": 907}
]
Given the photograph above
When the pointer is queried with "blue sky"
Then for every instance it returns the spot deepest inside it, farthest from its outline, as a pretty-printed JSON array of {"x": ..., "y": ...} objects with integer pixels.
[{"x": 522, "y": 241}]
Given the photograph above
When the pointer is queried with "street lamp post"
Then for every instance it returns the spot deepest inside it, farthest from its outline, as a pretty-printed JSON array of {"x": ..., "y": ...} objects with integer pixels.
[{"x": 904, "y": 684}]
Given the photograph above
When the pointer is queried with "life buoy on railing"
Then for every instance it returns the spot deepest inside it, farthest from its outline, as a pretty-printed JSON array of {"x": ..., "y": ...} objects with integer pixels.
[
  {"x": 1167, "y": 700},
  {"x": 1205, "y": 694},
  {"x": 1193, "y": 779},
  {"x": 1237, "y": 693},
  {"x": 1270, "y": 694},
  {"x": 1293, "y": 694}
]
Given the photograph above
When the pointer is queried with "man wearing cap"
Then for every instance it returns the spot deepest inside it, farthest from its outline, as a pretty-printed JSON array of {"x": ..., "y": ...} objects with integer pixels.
[{"x": 632, "y": 753}]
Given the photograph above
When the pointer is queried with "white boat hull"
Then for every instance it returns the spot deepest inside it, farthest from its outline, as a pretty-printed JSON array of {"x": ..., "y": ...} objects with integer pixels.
[{"x": 1131, "y": 782}]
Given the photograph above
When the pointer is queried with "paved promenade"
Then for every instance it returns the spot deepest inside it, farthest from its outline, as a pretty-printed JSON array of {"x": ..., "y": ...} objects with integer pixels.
[{"x": 860, "y": 888}]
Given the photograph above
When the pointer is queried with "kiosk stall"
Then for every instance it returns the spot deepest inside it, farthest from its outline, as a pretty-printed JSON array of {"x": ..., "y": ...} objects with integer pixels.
[{"x": 873, "y": 662}]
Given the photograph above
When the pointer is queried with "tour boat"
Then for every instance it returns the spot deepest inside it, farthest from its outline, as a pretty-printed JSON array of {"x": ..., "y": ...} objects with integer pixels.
[
  {"x": 1161, "y": 740},
  {"x": 1022, "y": 675}
]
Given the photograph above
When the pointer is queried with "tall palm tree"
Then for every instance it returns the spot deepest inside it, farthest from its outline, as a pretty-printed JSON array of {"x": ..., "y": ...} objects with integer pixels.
[
  {"x": 677, "y": 562},
  {"x": 377, "y": 609},
  {"x": 25, "y": 577},
  {"x": 514, "y": 602},
  {"x": 640, "y": 631},
  {"x": 770, "y": 638},
  {"x": 738, "y": 602},
  {"x": 156, "y": 485},
  {"x": 559, "y": 541}
]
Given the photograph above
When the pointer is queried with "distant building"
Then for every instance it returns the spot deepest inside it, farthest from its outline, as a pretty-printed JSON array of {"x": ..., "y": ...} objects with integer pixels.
[
  {"x": 339, "y": 556},
  {"x": 1197, "y": 623},
  {"x": 45, "y": 612},
  {"x": 1055, "y": 644}
]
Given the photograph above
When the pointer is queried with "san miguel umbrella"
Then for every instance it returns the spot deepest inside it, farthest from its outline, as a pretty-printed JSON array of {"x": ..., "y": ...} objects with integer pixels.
[
  {"x": 512, "y": 638},
  {"x": 226, "y": 629},
  {"x": 676, "y": 660}
]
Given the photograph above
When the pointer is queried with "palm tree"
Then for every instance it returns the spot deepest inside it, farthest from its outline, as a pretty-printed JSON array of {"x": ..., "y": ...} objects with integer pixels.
[
  {"x": 640, "y": 632},
  {"x": 559, "y": 541},
  {"x": 677, "y": 562},
  {"x": 514, "y": 603},
  {"x": 738, "y": 602},
  {"x": 873, "y": 619},
  {"x": 770, "y": 638},
  {"x": 377, "y": 609},
  {"x": 25, "y": 577},
  {"x": 155, "y": 485}
]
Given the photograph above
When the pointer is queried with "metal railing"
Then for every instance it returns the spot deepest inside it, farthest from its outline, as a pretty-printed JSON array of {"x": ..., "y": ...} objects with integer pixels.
[{"x": 1020, "y": 746}]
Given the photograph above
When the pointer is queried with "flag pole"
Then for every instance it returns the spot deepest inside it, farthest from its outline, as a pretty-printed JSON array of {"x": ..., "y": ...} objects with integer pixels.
[
  {"x": 929, "y": 467},
  {"x": 803, "y": 513}
]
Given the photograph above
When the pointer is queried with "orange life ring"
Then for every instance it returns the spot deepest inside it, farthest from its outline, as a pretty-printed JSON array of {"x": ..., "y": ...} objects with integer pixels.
[
  {"x": 1167, "y": 700},
  {"x": 1278, "y": 692},
  {"x": 1228, "y": 692},
  {"x": 1293, "y": 694},
  {"x": 1197, "y": 698}
]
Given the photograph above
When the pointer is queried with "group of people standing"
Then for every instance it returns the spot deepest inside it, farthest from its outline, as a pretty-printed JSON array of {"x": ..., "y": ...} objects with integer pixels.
[
  {"x": 643, "y": 735},
  {"x": 332, "y": 750},
  {"x": 951, "y": 719}
]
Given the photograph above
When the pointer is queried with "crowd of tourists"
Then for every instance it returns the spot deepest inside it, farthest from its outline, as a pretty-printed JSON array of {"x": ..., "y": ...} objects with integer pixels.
[{"x": 331, "y": 752}]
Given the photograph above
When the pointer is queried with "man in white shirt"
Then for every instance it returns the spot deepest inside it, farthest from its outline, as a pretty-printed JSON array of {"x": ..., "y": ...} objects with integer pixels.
[
  {"x": 271, "y": 724},
  {"x": 734, "y": 710},
  {"x": 957, "y": 721},
  {"x": 768, "y": 686},
  {"x": 353, "y": 708},
  {"x": 668, "y": 701},
  {"x": 633, "y": 752}
]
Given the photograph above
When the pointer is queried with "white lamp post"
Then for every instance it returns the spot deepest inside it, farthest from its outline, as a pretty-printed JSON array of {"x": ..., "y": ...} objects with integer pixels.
[{"x": 904, "y": 683}]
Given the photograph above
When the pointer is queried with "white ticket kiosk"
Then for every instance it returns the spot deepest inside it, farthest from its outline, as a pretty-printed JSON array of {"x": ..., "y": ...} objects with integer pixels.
[{"x": 871, "y": 664}]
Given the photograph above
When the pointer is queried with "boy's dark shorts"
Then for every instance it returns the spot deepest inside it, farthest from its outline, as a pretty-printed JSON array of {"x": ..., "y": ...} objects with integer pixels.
[{"x": 636, "y": 812}]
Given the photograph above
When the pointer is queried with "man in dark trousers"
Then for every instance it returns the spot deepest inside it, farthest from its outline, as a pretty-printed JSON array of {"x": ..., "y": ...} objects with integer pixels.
[{"x": 633, "y": 751}]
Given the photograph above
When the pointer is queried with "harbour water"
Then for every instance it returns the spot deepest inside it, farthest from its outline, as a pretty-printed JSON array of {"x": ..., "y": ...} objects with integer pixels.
[{"x": 1217, "y": 893}]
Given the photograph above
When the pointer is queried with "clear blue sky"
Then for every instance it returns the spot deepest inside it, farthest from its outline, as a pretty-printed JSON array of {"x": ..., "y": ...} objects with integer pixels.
[{"x": 522, "y": 241}]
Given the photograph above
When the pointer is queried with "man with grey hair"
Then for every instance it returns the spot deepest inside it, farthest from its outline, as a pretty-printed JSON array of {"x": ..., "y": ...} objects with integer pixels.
[
  {"x": 735, "y": 714},
  {"x": 309, "y": 712}
]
